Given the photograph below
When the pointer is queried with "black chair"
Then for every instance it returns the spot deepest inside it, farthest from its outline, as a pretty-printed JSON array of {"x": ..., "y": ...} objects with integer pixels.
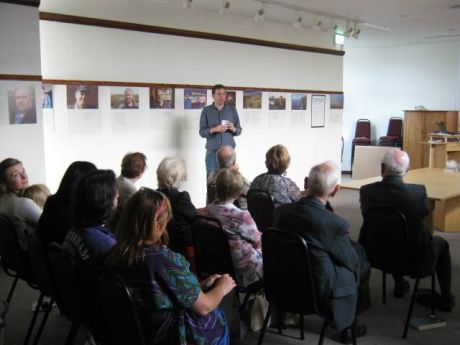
[
  {"x": 39, "y": 267},
  {"x": 119, "y": 311},
  {"x": 16, "y": 264},
  {"x": 261, "y": 207},
  {"x": 289, "y": 286},
  {"x": 68, "y": 291},
  {"x": 212, "y": 253},
  {"x": 384, "y": 235}
]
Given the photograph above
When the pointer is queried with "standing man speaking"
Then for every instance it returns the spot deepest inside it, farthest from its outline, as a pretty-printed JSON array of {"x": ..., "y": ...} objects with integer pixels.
[{"x": 219, "y": 123}]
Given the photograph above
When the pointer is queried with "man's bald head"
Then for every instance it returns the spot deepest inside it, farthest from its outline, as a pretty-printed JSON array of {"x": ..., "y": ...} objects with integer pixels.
[
  {"x": 395, "y": 163},
  {"x": 226, "y": 157}
]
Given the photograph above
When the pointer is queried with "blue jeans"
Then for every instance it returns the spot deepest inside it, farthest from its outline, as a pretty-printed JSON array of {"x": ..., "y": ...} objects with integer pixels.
[{"x": 211, "y": 161}]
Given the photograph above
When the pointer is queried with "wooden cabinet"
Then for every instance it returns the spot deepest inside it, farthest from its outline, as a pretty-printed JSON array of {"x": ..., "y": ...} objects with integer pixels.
[{"x": 417, "y": 127}]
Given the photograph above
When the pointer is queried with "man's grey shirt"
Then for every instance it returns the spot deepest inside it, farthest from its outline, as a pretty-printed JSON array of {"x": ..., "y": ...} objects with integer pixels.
[{"x": 211, "y": 117}]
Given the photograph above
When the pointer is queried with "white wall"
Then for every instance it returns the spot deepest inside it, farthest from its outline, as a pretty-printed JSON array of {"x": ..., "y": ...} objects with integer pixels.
[
  {"x": 81, "y": 52},
  {"x": 382, "y": 82},
  {"x": 20, "y": 54}
]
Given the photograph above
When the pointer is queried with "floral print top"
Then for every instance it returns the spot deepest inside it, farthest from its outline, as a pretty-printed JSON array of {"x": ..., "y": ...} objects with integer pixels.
[
  {"x": 244, "y": 241},
  {"x": 282, "y": 189}
]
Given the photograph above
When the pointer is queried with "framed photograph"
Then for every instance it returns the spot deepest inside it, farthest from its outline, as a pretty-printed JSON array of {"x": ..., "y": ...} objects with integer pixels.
[
  {"x": 230, "y": 97},
  {"x": 124, "y": 98},
  {"x": 195, "y": 98},
  {"x": 337, "y": 101},
  {"x": 162, "y": 97},
  {"x": 277, "y": 101},
  {"x": 46, "y": 93},
  {"x": 252, "y": 99},
  {"x": 21, "y": 105},
  {"x": 82, "y": 97},
  {"x": 299, "y": 101}
]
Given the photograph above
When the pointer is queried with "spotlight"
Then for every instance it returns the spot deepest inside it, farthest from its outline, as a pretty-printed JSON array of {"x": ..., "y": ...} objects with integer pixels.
[
  {"x": 318, "y": 25},
  {"x": 297, "y": 22},
  {"x": 356, "y": 31},
  {"x": 187, "y": 4},
  {"x": 335, "y": 27},
  {"x": 260, "y": 15},
  {"x": 348, "y": 31},
  {"x": 225, "y": 7}
]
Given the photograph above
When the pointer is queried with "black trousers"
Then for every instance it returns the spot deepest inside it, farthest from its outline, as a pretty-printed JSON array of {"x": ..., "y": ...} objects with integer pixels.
[
  {"x": 364, "y": 297},
  {"x": 443, "y": 265}
]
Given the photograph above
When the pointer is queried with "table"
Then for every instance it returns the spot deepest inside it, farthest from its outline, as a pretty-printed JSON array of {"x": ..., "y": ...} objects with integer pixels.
[{"x": 442, "y": 187}]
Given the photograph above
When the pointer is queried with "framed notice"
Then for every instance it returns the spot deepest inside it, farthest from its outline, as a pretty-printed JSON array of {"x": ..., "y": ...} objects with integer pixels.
[{"x": 318, "y": 110}]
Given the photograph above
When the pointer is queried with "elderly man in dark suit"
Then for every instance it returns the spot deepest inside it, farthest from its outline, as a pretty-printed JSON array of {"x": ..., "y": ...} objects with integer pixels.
[
  {"x": 341, "y": 270},
  {"x": 411, "y": 200}
]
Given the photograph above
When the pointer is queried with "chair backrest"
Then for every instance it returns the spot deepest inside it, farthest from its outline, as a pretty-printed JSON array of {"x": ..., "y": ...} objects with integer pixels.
[
  {"x": 39, "y": 265},
  {"x": 288, "y": 277},
  {"x": 212, "y": 253},
  {"x": 363, "y": 129},
  {"x": 384, "y": 235},
  {"x": 12, "y": 257},
  {"x": 66, "y": 284},
  {"x": 395, "y": 127},
  {"x": 261, "y": 207},
  {"x": 119, "y": 311}
]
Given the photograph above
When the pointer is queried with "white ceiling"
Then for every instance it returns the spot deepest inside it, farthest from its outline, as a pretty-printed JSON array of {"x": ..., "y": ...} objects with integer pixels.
[{"x": 383, "y": 22}]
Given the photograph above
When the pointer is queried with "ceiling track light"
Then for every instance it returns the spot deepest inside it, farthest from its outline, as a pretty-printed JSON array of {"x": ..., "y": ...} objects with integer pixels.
[
  {"x": 348, "y": 31},
  {"x": 260, "y": 15},
  {"x": 356, "y": 31},
  {"x": 225, "y": 7},
  {"x": 297, "y": 22},
  {"x": 318, "y": 25},
  {"x": 187, "y": 4}
]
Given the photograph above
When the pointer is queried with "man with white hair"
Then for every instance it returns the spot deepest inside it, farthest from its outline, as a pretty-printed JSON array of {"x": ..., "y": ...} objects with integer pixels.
[
  {"x": 24, "y": 110},
  {"x": 411, "y": 200},
  {"x": 226, "y": 159},
  {"x": 341, "y": 271}
]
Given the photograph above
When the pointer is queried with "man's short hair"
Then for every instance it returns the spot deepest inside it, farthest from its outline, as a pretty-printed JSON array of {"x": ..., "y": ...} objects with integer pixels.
[
  {"x": 277, "y": 159},
  {"x": 217, "y": 87},
  {"x": 226, "y": 160},
  {"x": 133, "y": 165},
  {"x": 396, "y": 162},
  {"x": 323, "y": 178}
]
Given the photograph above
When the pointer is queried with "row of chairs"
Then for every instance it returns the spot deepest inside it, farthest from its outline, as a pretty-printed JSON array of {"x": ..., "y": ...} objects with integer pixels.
[{"x": 73, "y": 288}]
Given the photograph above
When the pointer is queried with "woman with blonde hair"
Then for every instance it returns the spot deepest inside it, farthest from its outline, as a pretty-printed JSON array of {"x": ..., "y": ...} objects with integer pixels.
[
  {"x": 160, "y": 279},
  {"x": 282, "y": 189}
]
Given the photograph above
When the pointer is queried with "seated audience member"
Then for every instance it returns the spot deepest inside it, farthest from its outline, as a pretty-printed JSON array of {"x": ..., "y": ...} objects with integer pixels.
[
  {"x": 340, "y": 269},
  {"x": 56, "y": 218},
  {"x": 23, "y": 212},
  {"x": 171, "y": 173},
  {"x": 95, "y": 200},
  {"x": 411, "y": 200},
  {"x": 162, "y": 284},
  {"x": 133, "y": 166},
  {"x": 282, "y": 189},
  {"x": 243, "y": 237},
  {"x": 38, "y": 193},
  {"x": 226, "y": 159}
]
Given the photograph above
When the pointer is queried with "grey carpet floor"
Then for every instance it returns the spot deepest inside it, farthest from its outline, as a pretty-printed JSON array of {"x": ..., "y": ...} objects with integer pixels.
[{"x": 384, "y": 322}]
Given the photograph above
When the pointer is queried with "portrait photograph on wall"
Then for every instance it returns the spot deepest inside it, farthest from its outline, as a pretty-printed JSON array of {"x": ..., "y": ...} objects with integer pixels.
[
  {"x": 337, "y": 101},
  {"x": 46, "y": 92},
  {"x": 298, "y": 101},
  {"x": 230, "y": 97},
  {"x": 161, "y": 97},
  {"x": 82, "y": 97},
  {"x": 195, "y": 98},
  {"x": 124, "y": 98},
  {"x": 277, "y": 101},
  {"x": 252, "y": 99},
  {"x": 21, "y": 105}
]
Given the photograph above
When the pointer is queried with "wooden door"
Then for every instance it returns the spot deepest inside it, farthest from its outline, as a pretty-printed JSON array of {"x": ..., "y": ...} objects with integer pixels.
[{"x": 412, "y": 137}]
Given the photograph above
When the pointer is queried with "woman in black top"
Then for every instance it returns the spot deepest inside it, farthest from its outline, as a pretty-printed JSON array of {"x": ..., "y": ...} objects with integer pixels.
[
  {"x": 171, "y": 173},
  {"x": 56, "y": 218}
]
